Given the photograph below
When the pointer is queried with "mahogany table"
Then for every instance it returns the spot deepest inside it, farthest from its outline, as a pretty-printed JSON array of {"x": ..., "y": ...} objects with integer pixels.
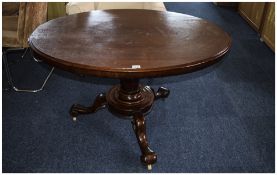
[{"x": 129, "y": 45}]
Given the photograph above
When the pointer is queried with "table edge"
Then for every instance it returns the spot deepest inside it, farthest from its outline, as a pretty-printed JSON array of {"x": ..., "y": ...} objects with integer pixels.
[{"x": 130, "y": 73}]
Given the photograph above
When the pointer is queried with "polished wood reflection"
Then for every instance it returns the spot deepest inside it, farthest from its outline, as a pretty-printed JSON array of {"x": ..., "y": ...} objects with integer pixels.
[{"x": 129, "y": 45}]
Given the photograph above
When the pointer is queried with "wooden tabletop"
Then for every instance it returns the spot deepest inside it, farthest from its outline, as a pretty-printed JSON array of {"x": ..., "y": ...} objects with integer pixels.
[{"x": 129, "y": 43}]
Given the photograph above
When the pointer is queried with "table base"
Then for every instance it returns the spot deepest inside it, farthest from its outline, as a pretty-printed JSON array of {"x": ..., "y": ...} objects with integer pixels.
[{"x": 129, "y": 100}]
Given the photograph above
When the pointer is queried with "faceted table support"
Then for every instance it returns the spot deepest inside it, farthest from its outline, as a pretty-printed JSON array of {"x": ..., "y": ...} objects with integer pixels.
[{"x": 129, "y": 100}]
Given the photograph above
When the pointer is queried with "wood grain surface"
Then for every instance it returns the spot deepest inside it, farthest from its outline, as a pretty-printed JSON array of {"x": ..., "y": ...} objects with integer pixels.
[{"x": 129, "y": 43}]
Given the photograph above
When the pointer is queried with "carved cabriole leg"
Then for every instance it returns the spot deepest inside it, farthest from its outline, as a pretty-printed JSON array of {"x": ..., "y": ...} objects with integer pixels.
[
  {"x": 161, "y": 93},
  {"x": 148, "y": 156},
  {"x": 129, "y": 100},
  {"x": 99, "y": 103}
]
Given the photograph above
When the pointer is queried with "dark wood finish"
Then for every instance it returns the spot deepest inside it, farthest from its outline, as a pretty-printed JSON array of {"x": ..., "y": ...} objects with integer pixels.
[
  {"x": 109, "y": 43},
  {"x": 129, "y": 100},
  {"x": 99, "y": 103},
  {"x": 129, "y": 44},
  {"x": 148, "y": 156},
  {"x": 161, "y": 93},
  {"x": 124, "y": 100}
]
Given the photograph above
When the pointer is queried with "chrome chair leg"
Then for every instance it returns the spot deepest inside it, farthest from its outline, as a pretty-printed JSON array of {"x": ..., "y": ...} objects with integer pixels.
[
  {"x": 25, "y": 52},
  {"x": 10, "y": 80},
  {"x": 37, "y": 60}
]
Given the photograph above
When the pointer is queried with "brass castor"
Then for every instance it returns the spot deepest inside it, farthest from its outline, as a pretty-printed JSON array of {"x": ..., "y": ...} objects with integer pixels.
[{"x": 149, "y": 167}]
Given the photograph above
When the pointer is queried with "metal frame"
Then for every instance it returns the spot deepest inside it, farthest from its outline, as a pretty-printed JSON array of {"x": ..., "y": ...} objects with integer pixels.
[{"x": 9, "y": 77}]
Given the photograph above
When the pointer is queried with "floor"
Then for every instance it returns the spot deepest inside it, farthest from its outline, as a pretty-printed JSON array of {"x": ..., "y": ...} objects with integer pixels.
[{"x": 220, "y": 119}]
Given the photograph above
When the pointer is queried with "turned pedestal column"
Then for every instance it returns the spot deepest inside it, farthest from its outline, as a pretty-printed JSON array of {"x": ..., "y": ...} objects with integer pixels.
[{"x": 129, "y": 100}]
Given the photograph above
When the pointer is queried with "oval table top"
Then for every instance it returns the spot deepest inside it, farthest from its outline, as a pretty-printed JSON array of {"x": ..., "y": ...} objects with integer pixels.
[{"x": 129, "y": 43}]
